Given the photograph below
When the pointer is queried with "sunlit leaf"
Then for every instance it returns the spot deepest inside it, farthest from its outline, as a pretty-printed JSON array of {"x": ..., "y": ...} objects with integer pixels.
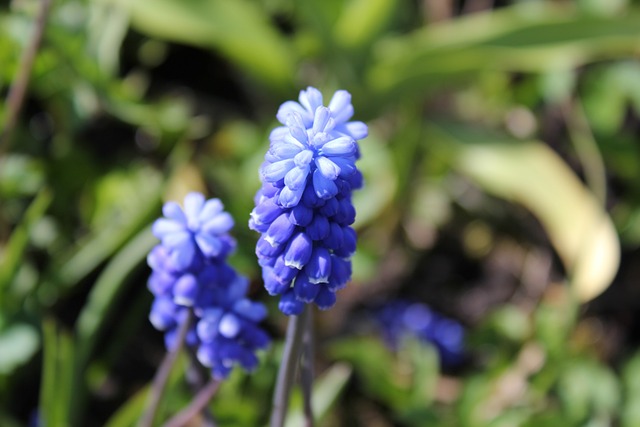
[
  {"x": 18, "y": 342},
  {"x": 531, "y": 174},
  {"x": 20, "y": 175},
  {"x": 361, "y": 20},
  {"x": 586, "y": 387},
  {"x": 326, "y": 391},
  {"x": 366, "y": 356},
  {"x": 380, "y": 180}
]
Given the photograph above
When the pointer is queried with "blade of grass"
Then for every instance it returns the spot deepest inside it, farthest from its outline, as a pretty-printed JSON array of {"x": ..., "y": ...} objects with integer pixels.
[
  {"x": 131, "y": 411},
  {"x": 102, "y": 300},
  {"x": 56, "y": 391},
  {"x": 97, "y": 248},
  {"x": 15, "y": 249},
  {"x": 326, "y": 391}
]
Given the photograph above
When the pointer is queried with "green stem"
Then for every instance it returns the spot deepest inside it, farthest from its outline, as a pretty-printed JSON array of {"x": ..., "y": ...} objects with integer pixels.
[
  {"x": 586, "y": 148},
  {"x": 288, "y": 365}
]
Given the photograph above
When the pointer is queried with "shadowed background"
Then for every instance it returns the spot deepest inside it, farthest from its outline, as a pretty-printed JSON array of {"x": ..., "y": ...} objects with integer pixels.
[{"x": 502, "y": 189}]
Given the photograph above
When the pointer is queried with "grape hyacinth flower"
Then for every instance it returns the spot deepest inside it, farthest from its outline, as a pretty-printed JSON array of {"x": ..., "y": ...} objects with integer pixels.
[
  {"x": 190, "y": 274},
  {"x": 399, "y": 319},
  {"x": 304, "y": 210}
]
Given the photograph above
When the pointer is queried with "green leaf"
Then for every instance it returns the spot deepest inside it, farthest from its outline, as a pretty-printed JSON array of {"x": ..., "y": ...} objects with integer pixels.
[
  {"x": 361, "y": 20},
  {"x": 130, "y": 412},
  {"x": 106, "y": 29},
  {"x": 238, "y": 28},
  {"x": 109, "y": 286},
  {"x": 8, "y": 421},
  {"x": 631, "y": 381},
  {"x": 477, "y": 392},
  {"x": 124, "y": 205},
  {"x": 425, "y": 363},
  {"x": 56, "y": 390},
  {"x": 532, "y": 175},
  {"x": 19, "y": 342},
  {"x": 381, "y": 180},
  {"x": 608, "y": 91},
  {"x": 326, "y": 391},
  {"x": 20, "y": 175},
  {"x": 366, "y": 356},
  {"x": 511, "y": 323},
  {"x": 13, "y": 252},
  {"x": 526, "y": 37},
  {"x": 586, "y": 387},
  {"x": 555, "y": 320}
]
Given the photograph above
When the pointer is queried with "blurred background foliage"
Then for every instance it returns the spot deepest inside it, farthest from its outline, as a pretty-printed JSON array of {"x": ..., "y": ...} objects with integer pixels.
[{"x": 502, "y": 188}]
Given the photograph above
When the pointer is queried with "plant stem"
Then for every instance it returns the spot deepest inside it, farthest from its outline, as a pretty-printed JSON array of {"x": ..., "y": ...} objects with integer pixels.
[
  {"x": 586, "y": 148},
  {"x": 160, "y": 380},
  {"x": 306, "y": 368},
  {"x": 197, "y": 376},
  {"x": 196, "y": 406},
  {"x": 18, "y": 89},
  {"x": 288, "y": 364}
]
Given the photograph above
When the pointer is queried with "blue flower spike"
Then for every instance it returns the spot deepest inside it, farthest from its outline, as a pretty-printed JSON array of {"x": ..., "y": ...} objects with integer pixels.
[
  {"x": 304, "y": 210},
  {"x": 190, "y": 272}
]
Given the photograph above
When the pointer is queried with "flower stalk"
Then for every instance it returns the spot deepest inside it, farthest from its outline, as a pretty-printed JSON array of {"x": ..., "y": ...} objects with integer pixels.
[
  {"x": 196, "y": 406},
  {"x": 304, "y": 211},
  {"x": 160, "y": 380},
  {"x": 288, "y": 365},
  {"x": 306, "y": 368},
  {"x": 17, "y": 92}
]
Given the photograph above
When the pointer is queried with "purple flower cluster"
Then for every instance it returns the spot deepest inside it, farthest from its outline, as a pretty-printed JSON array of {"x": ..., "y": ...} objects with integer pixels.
[
  {"x": 304, "y": 209},
  {"x": 399, "y": 319},
  {"x": 190, "y": 273}
]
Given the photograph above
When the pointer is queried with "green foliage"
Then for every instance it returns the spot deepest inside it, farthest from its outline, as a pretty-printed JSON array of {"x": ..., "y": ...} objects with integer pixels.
[{"x": 502, "y": 186}]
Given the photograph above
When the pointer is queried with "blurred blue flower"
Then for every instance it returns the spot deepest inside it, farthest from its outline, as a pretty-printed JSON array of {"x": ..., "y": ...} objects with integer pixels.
[
  {"x": 400, "y": 319},
  {"x": 304, "y": 209},
  {"x": 190, "y": 273},
  {"x": 200, "y": 229},
  {"x": 35, "y": 418},
  {"x": 228, "y": 330}
]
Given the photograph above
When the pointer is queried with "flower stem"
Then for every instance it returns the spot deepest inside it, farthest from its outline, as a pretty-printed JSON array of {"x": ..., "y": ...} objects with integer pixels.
[
  {"x": 197, "y": 405},
  {"x": 288, "y": 364},
  {"x": 306, "y": 368},
  {"x": 18, "y": 89},
  {"x": 160, "y": 380},
  {"x": 197, "y": 376}
]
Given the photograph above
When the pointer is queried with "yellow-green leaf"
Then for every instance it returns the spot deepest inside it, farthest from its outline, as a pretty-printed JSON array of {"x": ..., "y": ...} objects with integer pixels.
[{"x": 533, "y": 175}]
